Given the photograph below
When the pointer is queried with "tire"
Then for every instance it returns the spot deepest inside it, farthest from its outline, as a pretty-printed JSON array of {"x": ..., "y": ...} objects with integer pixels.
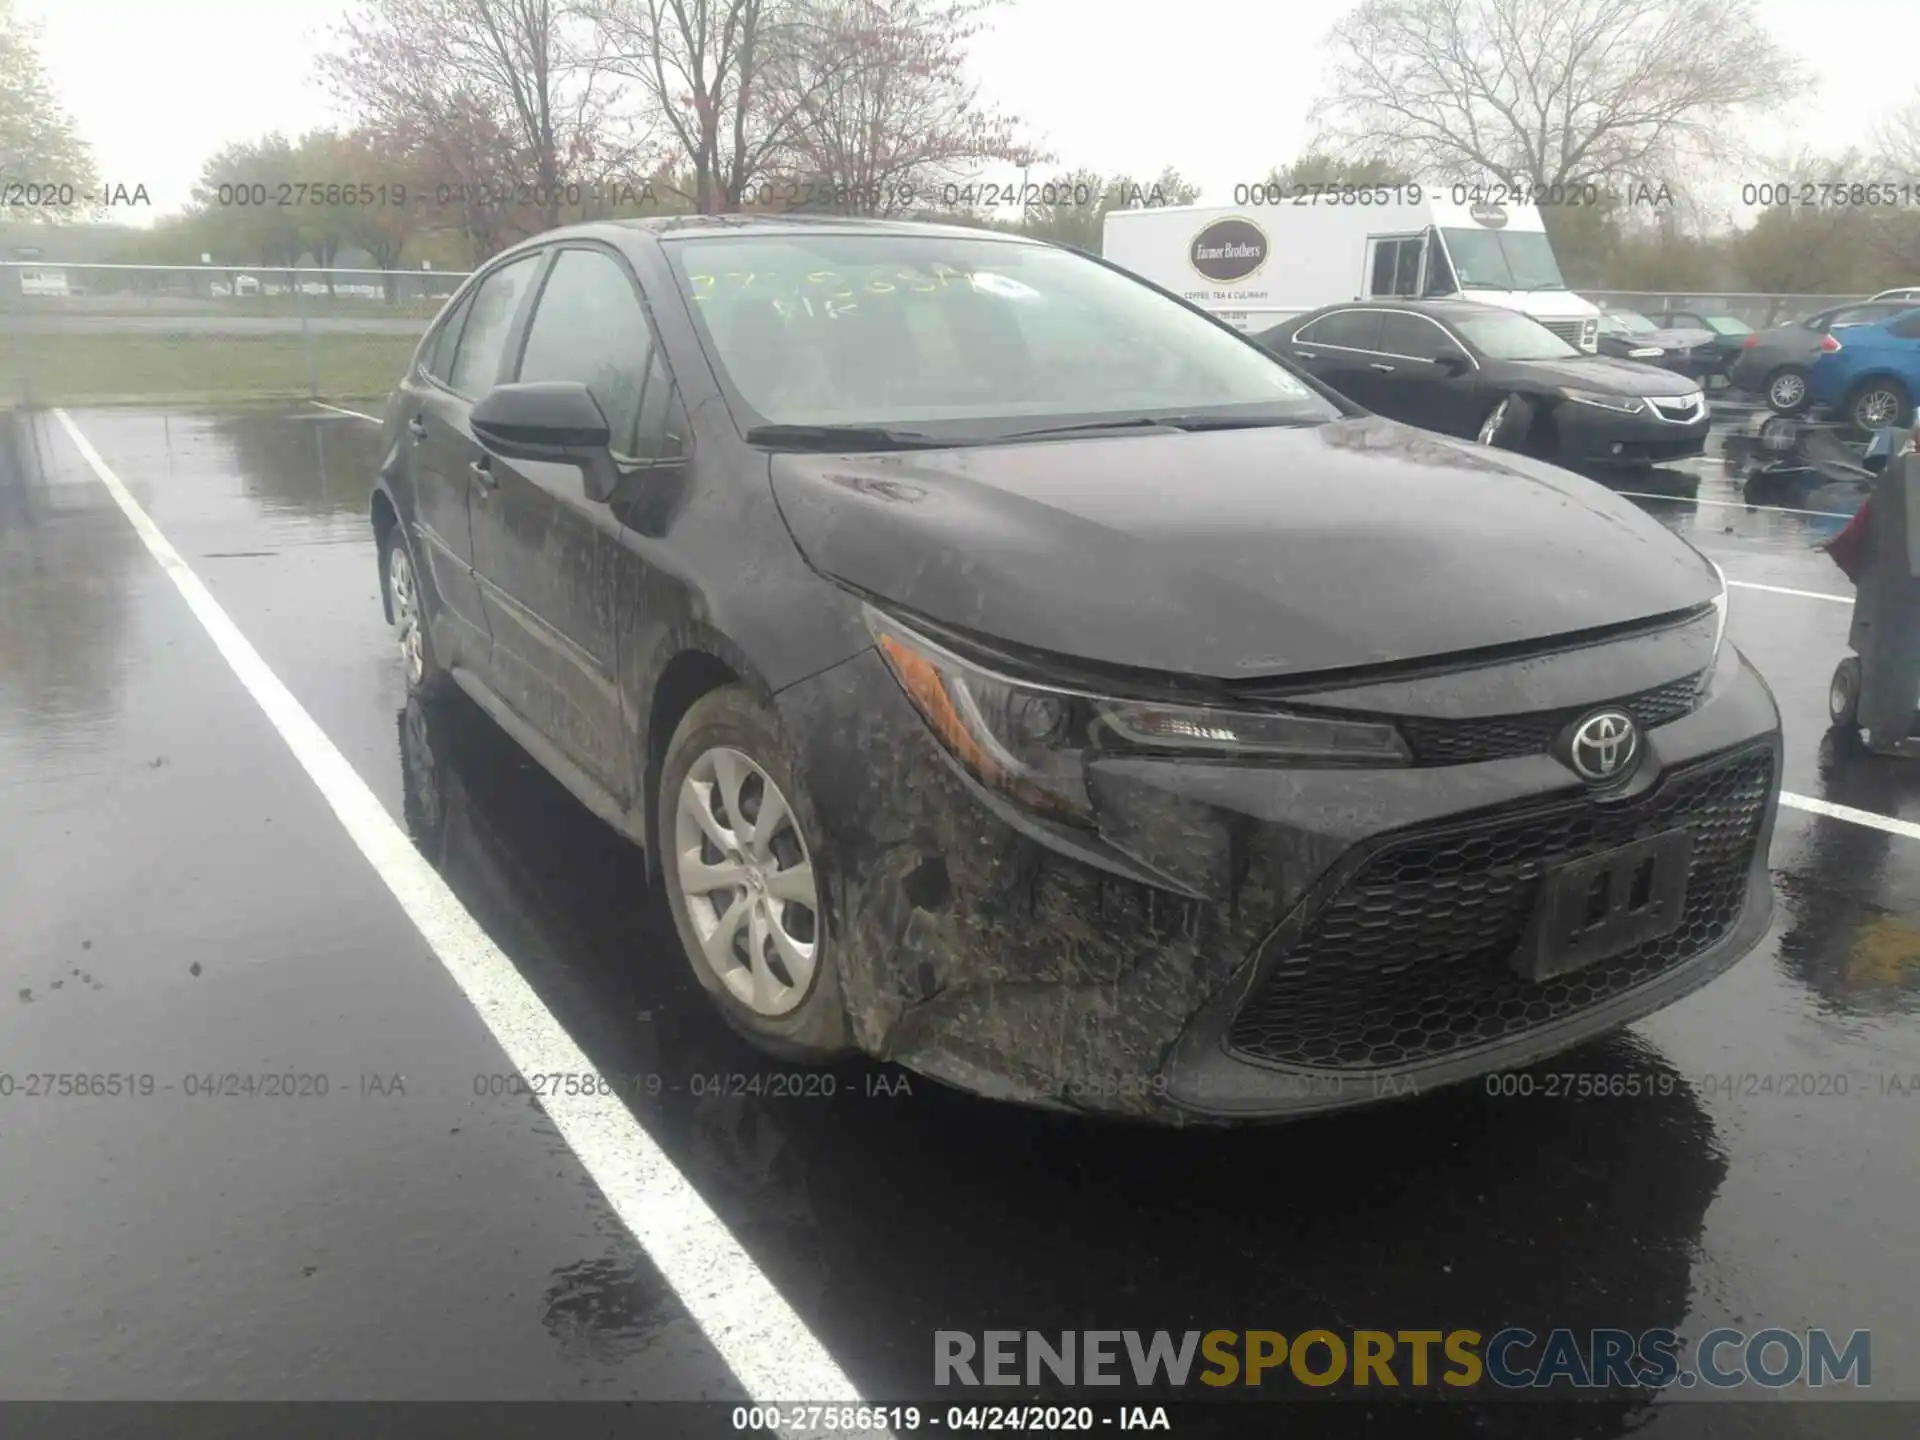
[
  {"x": 1875, "y": 404},
  {"x": 400, "y": 578},
  {"x": 1785, "y": 389},
  {"x": 728, "y": 743},
  {"x": 1505, "y": 424},
  {"x": 1843, "y": 693}
]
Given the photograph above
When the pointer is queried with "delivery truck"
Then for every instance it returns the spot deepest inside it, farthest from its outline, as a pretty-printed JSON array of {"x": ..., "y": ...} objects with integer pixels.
[{"x": 1255, "y": 265}]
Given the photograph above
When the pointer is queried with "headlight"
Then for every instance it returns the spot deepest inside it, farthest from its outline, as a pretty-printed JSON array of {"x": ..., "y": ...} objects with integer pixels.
[
  {"x": 1624, "y": 404},
  {"x": 1033, "y": 742},
  {"x": 1719, "y": 614}
]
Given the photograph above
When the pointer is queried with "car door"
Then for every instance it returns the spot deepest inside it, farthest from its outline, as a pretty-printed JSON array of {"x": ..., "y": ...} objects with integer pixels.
[
  {"x": 436, "y": 474},
  {"x": 460, "y": 371},
  {"x": 1337, "y": 349},
  {"x": 1417, "y": 389},
  {"x": 546, "y": 555}
]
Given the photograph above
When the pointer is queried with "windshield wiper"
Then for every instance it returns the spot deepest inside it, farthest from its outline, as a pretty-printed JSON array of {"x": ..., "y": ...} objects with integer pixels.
[
  {"x": 846, "y": 437},
  {"x": 1159, "y": 422}
]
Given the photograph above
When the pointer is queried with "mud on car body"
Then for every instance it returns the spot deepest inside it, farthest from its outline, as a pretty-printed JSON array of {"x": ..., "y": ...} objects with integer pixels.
[{"x": 1016, "y": 674}]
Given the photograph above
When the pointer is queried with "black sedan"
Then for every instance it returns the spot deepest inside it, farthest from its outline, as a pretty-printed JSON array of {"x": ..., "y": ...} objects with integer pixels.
[
  {"x": 1726, "y": 335},
  {"x": 1773, "y": 363},
  {"x": 1629, "y": 335},
  {"x": 1499, "y": 377},
  {"x": 1013, "y": 672}
]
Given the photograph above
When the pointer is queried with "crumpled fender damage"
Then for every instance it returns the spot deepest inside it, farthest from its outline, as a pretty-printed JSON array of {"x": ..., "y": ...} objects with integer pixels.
[{"x": 974, "y": 953}]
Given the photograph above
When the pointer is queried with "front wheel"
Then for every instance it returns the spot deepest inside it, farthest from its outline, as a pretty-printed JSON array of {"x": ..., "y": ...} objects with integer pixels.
[
  {"x": 1877, "y": 404},
  {"x": 1843, "y": 693},
  {"x": 1505, "y": 424},
  {"x": 740, "y": 865}
]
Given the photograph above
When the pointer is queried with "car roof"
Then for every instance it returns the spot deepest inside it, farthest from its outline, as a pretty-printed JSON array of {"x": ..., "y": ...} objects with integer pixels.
[
  {"x": 1439, "y": 309},
  {"x": 682, "y": 227}
]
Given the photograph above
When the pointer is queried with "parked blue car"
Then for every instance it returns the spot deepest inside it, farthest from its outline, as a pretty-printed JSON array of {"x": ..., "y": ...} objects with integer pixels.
[{"x": 1869, "y": 375}]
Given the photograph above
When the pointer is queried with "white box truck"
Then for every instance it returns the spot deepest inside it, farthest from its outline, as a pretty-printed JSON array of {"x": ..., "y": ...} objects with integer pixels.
[{"x": 1256, "y": 265}]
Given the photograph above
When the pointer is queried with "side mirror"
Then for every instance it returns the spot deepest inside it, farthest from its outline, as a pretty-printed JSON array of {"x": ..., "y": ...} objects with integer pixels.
[
  {"x": 553, "y": 420},
  {"x": 1451, "y": 362}
]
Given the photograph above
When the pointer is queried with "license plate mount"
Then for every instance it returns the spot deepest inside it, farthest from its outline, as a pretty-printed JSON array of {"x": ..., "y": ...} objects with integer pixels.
[{"x": 1601, "y": 905}]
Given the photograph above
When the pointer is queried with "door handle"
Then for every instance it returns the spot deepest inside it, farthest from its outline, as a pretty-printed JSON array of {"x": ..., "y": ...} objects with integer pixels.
[
  {"x": 482, "y": 470},
  {"x": 417, "y": 428},
  {"x": 1376, "y": 365},
  {"x": 1307, "y": 354}
]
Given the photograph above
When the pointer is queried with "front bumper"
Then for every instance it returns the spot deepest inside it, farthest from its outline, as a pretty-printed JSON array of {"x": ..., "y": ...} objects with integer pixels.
[
  {"x": 1197, "y": 960},
  {"x": 1591, "y": 435}
]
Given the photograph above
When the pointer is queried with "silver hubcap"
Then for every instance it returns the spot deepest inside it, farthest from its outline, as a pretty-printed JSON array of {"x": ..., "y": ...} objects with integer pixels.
[
  {"x": 1877, "y": 408},
  {"x": 1787, "y": 389},
  {"x": 746, "y": 878},
  {"x": 406, "y": 614},
  {"x": 1840, "y": 694},
  {"x": 1490, "y": 427}
]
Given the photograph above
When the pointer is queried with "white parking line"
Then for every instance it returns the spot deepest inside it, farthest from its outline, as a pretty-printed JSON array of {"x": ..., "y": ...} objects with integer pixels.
[
  {"x": 766, "y": 1345},
  {"x": 1847, "y": 812},
  {"x": 1729, "y": 504},
  {"x": 374, "y": 419},
  {"x": 1785, "y": 590}
]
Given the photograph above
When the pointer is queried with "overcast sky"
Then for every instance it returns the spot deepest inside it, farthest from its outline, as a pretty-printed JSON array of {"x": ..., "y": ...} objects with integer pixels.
[{"x": 1219, "y": 90}]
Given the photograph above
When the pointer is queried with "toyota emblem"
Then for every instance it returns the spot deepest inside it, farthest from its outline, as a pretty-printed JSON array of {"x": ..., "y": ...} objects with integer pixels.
[{"x": 1604, "y": 747}]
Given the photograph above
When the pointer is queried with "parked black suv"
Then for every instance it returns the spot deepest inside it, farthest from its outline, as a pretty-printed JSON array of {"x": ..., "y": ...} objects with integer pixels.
[{"x": 1017, "y": 674}]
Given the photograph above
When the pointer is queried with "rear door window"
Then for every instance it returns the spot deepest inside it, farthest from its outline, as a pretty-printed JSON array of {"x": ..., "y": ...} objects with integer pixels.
[
  {"x": 1348, "y": 329},
  {"x": 483, "y": 340}
]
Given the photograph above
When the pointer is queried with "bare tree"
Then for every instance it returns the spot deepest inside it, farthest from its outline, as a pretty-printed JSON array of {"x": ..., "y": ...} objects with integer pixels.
[
  {"x": 38, "y": 144},
  {"x": 1549, "y": 92},
  {"x": 885, "y": 115},
  {"x": 503, "y": 92},
  {"x": 703, "y": 66}
]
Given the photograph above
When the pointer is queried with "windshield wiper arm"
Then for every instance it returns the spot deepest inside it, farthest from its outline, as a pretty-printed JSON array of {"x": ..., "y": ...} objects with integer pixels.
[
  {"x": 846, "y": 437},
  {"x": 1158, "y": 422}
]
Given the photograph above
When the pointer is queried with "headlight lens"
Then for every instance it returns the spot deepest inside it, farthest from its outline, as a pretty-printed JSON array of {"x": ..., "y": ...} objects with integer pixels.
[
  {"x": 1033, "y": 742},
  {"x": 1624, "y": 404},
  {"x": 1719, "y": 613}
]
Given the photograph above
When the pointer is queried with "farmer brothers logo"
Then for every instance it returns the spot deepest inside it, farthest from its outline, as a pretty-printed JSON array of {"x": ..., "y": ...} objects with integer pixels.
[{"x": 1229, "y": 250}]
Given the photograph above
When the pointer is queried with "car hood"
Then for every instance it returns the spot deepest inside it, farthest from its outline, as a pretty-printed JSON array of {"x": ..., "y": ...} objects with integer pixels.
[
  {"x": 1603, "y": 372},
  {"x": 1240, "y": 554}
]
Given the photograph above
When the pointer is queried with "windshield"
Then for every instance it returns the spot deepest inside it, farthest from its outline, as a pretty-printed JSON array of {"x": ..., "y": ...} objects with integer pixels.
[
  {"x": 1508, "y": 335},
  {"x": 1503, "y": 260},
  {"x": 1727, "y": 325},
  {"x": 987, "y": 336},
  {"x": 1626, "y": 322}
]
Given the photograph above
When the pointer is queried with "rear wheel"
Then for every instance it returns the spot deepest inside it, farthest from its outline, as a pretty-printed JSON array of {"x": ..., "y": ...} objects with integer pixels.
[
  {"x": 738, "y": 859},
  {"x": 1786, "y": 390},
  {"x": 417, "y": 660},
  {"x": 1875, "y": 404}
]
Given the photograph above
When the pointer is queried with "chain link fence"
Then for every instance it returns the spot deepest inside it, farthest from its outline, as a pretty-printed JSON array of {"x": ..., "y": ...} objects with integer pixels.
[
  {"x": 1756, "y": 309},
  {"x": 92, "y": 334}
]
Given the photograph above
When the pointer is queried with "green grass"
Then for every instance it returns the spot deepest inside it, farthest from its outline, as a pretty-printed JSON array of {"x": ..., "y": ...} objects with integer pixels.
[{"x": 198, "y": 369}]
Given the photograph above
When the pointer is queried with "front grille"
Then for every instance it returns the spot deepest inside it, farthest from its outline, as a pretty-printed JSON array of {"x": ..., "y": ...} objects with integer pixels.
[
  {"x": 1567, "y": 330},
  {"x": 1407, "y": 961},
  {"x": 1678, "y": 411},
  {"x": 1462, "y": 742}
]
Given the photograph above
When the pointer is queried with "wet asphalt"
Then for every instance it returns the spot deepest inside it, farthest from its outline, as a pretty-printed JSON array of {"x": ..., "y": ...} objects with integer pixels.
[{"x": 178, "y": 902}]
